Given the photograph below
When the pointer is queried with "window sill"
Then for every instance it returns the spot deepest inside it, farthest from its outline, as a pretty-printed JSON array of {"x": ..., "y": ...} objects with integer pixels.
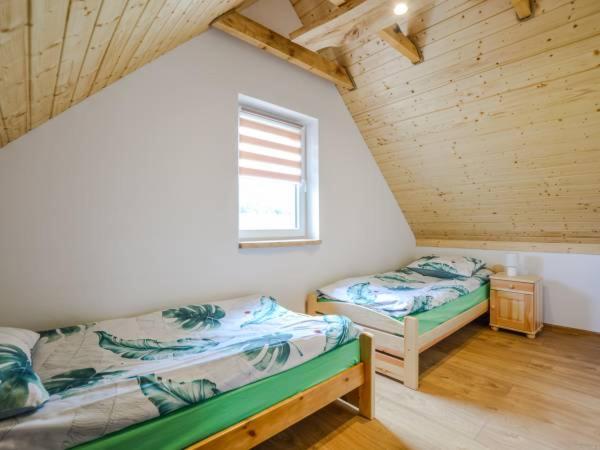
[{"x": 279, "y": 243}]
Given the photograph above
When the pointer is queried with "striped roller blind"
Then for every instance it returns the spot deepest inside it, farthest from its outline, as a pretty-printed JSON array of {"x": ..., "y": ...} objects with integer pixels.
[{"x": 269, "y": 148}]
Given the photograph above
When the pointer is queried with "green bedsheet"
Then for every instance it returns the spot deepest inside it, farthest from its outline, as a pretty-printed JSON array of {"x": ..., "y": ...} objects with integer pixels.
[
  {"x": 192, "y": 424},
  {"x": 428, "y": 320}
]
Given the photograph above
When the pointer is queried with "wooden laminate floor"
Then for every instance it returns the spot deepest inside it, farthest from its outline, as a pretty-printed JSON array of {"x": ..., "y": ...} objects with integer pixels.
[{"x": 479, "y": 390}]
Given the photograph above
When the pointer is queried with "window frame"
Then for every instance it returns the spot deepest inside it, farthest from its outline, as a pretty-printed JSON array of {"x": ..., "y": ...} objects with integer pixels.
[{"x": 306, "y": 197}]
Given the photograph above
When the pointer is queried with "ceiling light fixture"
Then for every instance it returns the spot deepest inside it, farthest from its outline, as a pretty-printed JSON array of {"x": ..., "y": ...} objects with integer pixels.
[{"x": 400, "y": 9}]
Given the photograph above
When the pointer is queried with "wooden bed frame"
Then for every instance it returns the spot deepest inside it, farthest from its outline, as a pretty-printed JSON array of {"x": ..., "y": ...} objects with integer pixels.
[
  {"x": 397, "y": 344},
  {"x": 354, "y": 385}
]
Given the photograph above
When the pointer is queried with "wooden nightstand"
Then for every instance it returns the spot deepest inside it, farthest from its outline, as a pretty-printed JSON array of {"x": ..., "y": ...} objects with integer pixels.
[{"x": 516, "y": 303}]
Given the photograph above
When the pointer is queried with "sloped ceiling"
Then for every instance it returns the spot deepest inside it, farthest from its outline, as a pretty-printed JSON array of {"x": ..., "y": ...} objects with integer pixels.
[
  {"x": 55, "y": 53},
  {"x": 496, "y": 135}
]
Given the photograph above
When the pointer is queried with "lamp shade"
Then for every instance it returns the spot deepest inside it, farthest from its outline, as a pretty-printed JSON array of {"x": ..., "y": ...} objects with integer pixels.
[
  {"x": 512, "y": 264},
  {"x": 512, "y": 259}
]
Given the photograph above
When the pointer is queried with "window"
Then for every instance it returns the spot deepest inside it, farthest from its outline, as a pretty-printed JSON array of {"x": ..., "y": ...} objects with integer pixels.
[{"x": 276, "y": 182}]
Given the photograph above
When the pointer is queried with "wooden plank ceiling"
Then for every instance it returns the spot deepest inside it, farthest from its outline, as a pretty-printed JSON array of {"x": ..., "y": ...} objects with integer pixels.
[
  {"x": 55, "y": 53},
  {"x": 495, "y": 136}
]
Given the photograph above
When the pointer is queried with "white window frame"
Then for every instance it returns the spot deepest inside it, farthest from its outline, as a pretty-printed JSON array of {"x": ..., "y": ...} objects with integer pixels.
[{"x": 307, "y": 190}]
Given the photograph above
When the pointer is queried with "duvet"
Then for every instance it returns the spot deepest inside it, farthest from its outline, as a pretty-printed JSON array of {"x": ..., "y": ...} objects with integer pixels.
[
  {"x": 105, "y": 376},
  {"x": 397, "y": 294}
]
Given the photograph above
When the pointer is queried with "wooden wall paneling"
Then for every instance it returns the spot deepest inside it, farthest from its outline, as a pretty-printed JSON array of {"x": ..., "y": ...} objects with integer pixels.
[
  {"x": 141, "y": 29},
  {"x": 419, "y": 27},
  {"x": 487, "y": 122},
  {"x": 145, "y": 50},
  {"x": 517, "y": 139},
  {"x": 108, "y": 19},
  {"x": 61, "y": 51},
  {"x": 198, "y": 21},
  {"x": 179, "y": 29},
  {"x": 485, "y": 62},
  {"x": 514, "y": 246},
  {"x": 499, "y": 123},
  {"x": 14, "y": 77},
  {"x": 509, "y": 167},
  {"x": 495, "y": 135},
  {"x": 125, "y": 27},
  {"x": 577, "y": 57},
  {"x": 518, "y": 44},
  {"x": 48, "y": 21},
  {"x": 432, "y": 31},
  {"x": 172, "y": 27},
  {"x": 212, "y": 10},
  {"x": 493, "y": 118},
  {"x": 494, "y": 75},
  {"x": 218, "y": 8},
  {"x": 80, "y": 27},
  {"x": 512, "y": 143}
]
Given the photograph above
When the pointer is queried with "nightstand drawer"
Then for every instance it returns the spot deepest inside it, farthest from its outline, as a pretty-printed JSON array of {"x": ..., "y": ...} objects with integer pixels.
[
  {"x": 513, "y": 285},
  {"x": 511, "y": 310}
]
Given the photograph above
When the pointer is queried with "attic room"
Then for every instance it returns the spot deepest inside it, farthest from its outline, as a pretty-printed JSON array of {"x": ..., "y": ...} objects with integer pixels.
[{"x": 299, "y": 224}]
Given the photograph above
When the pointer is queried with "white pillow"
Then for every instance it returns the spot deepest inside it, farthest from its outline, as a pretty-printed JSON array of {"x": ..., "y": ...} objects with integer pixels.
[
  {"x": 21, "y": 389},
  {"x": 446, "y": 266}
]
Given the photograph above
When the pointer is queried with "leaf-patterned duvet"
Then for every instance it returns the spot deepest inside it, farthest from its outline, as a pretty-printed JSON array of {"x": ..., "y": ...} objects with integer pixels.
[
  {"x": 397, "y": 294},
  {"x": 106, "y": 376}
]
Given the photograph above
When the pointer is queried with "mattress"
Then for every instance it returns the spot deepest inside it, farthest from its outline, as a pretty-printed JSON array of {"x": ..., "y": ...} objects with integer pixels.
[
  {"x": 107, "y": 376},
  {"x": 428, "y": 320},
  {"x": 194, "y": 423},
  {"x": 404, "y": 292}
]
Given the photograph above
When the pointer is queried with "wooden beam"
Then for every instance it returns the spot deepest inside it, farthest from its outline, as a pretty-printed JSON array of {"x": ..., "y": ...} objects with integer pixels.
[
  {"x": 523, "y": 8},
  {"x": 259, "y": 36},
  {"x": 399, "y": 41},
  {"x": 354, "y": 20},
  {"x": 331, "y": 30}
]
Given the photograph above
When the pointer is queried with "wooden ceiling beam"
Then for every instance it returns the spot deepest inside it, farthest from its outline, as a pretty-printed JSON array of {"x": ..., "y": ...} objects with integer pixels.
[
  {"x": 394, "y": 37},
  {"x": 340, "y": 25},
  {"x": 261, "y": 37},
  {"x": 353, "y": 20},
  {"x": 522, "y": 8}
]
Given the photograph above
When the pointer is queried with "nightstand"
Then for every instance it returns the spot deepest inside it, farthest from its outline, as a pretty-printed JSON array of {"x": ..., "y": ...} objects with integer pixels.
[{"x": 516, "y": 303}]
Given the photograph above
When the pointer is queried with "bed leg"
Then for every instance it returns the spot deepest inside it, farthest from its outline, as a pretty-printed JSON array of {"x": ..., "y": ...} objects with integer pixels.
[
  {"x": 411, "y": 353},
  {"x": 311, "y": 304},
  {"x": 366, "y": 392}
]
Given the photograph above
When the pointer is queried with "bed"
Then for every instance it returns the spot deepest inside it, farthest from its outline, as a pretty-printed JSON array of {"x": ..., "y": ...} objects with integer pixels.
[
  {"x": 227, "y": 374},
  {"x": 438, "y": 308}
]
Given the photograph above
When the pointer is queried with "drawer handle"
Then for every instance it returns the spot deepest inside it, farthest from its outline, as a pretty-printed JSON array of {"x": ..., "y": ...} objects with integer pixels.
[{"x": 512, "y": 286}]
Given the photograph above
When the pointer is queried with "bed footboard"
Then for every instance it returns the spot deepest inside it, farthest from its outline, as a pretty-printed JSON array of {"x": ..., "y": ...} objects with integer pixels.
[{"x": 396, "y": 343}]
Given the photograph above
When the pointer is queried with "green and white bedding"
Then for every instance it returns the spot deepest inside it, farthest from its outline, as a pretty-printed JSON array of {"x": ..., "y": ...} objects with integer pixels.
[
  {"x": 106, "y": 376},
  {"x": 21, "y": 390},
  {"x": 397, "y": 294}
]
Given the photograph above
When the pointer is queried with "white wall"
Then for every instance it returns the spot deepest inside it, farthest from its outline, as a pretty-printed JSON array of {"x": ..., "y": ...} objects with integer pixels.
[
  {"x": 126, "y": 203},
  {"x": 571, "y": 282}
]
